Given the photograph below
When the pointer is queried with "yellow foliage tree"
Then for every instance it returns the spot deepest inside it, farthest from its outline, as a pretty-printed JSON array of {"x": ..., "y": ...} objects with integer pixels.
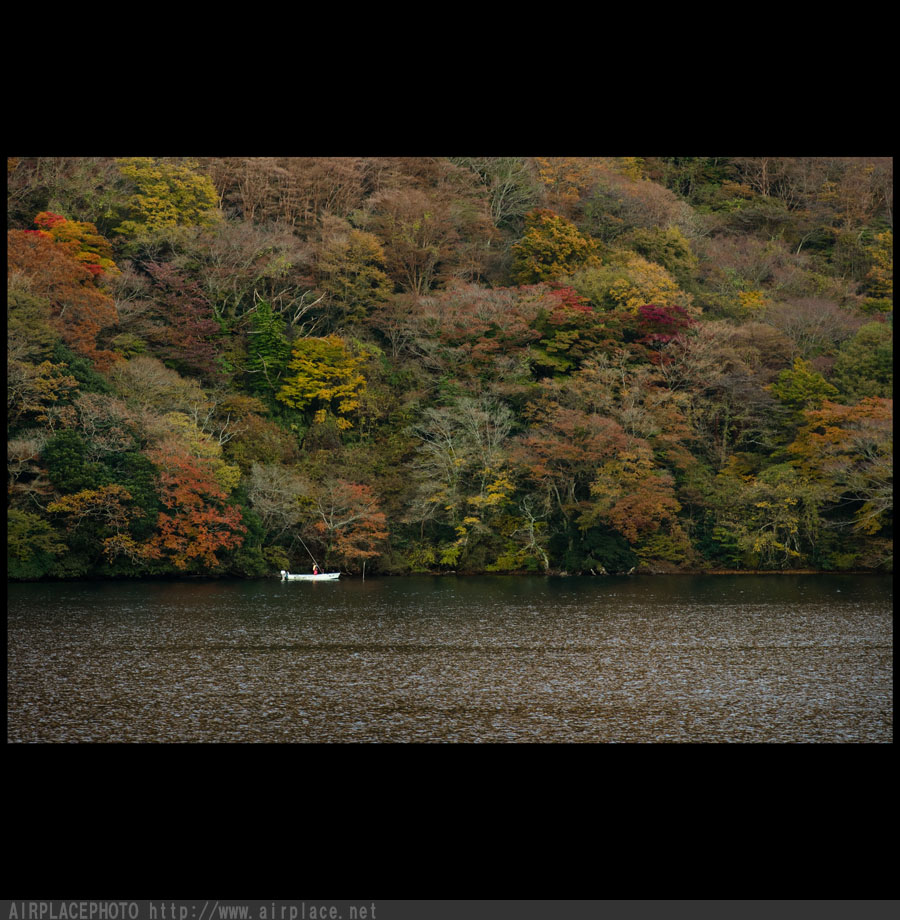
[
  {"x": 550, "y": 247},
  {"x": 326, "y": 377},
  {"x": 645, "y": 282},
  {"x": 629, "y": 282},
  {"x": 169, "y": 194},
  {"x": 880, "y": 279},
  {"x": 753, "y": 301},
  {"x": 568, "y": 178},
  {"x": 350, "y": 267}
]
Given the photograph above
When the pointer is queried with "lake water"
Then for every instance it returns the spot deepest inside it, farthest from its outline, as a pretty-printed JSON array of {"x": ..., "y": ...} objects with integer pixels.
[{"x": 780, "y": 658}]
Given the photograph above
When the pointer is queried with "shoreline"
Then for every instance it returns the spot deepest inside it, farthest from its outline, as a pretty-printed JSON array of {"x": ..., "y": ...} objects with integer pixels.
[{"x": 357, "y": 577}]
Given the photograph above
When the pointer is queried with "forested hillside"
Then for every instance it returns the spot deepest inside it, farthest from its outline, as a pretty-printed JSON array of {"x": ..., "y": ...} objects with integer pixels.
[{"x": 466, "y": 364}]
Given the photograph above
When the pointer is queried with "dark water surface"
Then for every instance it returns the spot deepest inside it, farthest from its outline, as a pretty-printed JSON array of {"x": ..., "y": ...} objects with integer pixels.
[{"x": 803, "y": 658}]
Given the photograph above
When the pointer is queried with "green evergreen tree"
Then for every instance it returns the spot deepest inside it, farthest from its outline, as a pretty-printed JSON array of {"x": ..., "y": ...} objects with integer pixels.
[
  {"x": 65, "y": 459},
  {"x": 800, "y": 387},
  {"x": 268, "y": 349},
  {"x": 32, "y": 545},
  {"x": 865, "y": 363}
]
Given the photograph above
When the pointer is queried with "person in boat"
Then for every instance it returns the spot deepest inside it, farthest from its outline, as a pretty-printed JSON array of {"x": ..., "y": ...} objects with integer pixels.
[{"x": 315, "y": 569}]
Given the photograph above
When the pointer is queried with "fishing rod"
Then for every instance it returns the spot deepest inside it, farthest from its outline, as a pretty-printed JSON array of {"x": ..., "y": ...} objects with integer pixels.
[{"x": 311, "y": 556}]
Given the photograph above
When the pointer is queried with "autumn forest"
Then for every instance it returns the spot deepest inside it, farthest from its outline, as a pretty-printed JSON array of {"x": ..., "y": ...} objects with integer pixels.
[{"x": 226, "y": 366}]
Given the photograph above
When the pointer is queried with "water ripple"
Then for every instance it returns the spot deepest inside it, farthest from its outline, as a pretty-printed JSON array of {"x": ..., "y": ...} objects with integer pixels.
[{"x": 453, "y": 660}]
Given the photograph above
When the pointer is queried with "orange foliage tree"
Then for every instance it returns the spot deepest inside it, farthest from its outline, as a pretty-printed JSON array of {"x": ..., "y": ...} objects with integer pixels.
[
  {"x": 349, "y": 521},
  {"x": 849, "y": 451},
  {"x": 635, "y": 497},
  {"x": 197, "y": 524},
  {"x": 80, "y": 311},
  {"x": 81, "y": 238},
  {"x": 562, "y": 451}
]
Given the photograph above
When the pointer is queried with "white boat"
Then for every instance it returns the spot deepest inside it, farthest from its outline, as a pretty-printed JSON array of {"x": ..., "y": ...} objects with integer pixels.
[{"x": 323, "y": 576}]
